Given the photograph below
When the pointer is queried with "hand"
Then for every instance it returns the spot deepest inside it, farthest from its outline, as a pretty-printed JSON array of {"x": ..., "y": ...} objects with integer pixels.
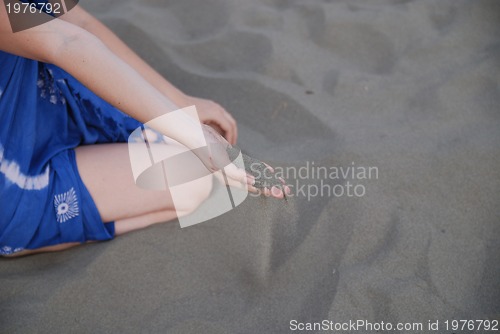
[
  {"x": 217, "y": 117},
  {"x": 219, "y": 155}
]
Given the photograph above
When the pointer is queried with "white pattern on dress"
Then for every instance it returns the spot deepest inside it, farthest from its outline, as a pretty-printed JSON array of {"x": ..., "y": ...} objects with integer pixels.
[
  {"x": 66, "y": 205},
  {"x": 12, "y": 172},
  {"x": 7, "y": 250}
]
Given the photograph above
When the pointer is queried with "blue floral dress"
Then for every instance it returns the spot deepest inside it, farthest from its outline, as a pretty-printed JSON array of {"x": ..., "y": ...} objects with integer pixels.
[{"x": 44, "y": 114}]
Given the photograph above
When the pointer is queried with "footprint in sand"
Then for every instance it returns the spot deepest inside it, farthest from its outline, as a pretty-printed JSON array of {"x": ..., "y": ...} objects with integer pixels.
[
  {"x": 263, "y": 18},
  {"x": 442, "y": 15},
  {"x": 232, "y": 51},
  {"x": 357, "y": 44},
  {"x": 210, "y": 17},
  {"x": 360, "y": 45},
  {"x": 330, "y": 81}
]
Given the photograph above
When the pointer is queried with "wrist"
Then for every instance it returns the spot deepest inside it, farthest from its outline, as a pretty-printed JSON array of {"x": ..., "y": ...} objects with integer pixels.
[
  {"x": 182, "y": 125},
  {"x": 182, "y": 100}
]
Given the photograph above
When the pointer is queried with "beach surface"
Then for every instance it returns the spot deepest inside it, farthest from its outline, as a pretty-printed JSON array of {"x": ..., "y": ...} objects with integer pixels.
[{"x": 410, "y": 89}]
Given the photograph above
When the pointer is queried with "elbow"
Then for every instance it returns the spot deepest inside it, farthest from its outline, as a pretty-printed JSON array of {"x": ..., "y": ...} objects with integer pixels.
[{"x": 70, "y": 45}]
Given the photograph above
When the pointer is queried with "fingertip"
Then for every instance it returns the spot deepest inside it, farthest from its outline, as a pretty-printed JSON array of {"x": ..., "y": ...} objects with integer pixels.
[
  {"x": 276, "y": 192},
  {"x": 269, "y": 167},
  {"x": 288, "y": 191},
  {"x": 252, "y": 189},
  {"x": 235, "y": 136},
  {"x": 250, "y": 179}
]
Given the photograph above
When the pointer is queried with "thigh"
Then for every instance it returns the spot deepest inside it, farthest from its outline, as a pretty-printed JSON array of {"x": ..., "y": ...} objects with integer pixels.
[{"x": 106, "y": 172}]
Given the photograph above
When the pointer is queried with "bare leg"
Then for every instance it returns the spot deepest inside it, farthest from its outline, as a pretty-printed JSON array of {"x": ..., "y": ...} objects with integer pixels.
[
  {"x": 54, "y": 248},
  {"x": 105, "y": 170}
]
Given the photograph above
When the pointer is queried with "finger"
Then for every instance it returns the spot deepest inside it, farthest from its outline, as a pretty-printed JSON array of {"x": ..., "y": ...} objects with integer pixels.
[
  {"x": 228, "y": 123},
  {"x": 286, "y": 189},
  {"x": 236, "y": 184},
  {"x": 217, "y": 128},
  {"x": 231, "y": 182},
  {"x": 250, "y": 179},
  {"x": 269, "y": 167},
  {"x": 252, "y": 189},
  {"x": 225, "y": 126},
  {"x": 235, "y": 173},
  {"x": 229, "y": 126},
  {"x": 234, "y": 127},
  {"x": 277, "y": 192}
]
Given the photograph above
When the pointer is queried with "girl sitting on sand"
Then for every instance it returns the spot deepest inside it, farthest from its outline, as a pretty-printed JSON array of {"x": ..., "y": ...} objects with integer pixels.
[{"x": 71, "y": 92}]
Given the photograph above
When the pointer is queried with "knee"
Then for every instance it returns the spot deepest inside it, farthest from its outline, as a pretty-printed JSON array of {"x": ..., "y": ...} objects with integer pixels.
[
  {"x": 203, "y": 190},
  {"x": 195, "y": 193}
]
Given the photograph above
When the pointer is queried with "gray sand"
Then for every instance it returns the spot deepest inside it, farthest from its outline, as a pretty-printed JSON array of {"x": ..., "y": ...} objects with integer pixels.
[{"x": 410, "y": 87}]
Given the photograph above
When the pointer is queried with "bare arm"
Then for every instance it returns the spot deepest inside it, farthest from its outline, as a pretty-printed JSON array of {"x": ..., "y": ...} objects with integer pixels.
[
  {"x": 89, "y": 60},
  {"x": 79, "y": 17},
  {"x": 209, "y": 111}
]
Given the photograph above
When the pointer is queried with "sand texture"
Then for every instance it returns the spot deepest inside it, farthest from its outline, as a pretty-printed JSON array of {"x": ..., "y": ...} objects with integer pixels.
[{"x": 409, "y": 87}]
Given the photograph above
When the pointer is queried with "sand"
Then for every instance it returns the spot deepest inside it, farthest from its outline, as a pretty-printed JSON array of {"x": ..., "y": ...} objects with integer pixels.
[{"x": 409, "y": 87}]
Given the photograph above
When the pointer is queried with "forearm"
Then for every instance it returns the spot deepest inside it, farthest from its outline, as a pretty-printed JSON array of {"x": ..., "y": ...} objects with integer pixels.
[
  {"x": 210, "y": 112},
  {"x": 102, "y": 71},
  {"x": 86, "y": 21},
  {"x": 87, "y": 58}
]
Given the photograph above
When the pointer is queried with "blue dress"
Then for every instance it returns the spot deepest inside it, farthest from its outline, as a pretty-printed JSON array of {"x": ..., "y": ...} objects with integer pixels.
[{"x": 44, "y": 114}]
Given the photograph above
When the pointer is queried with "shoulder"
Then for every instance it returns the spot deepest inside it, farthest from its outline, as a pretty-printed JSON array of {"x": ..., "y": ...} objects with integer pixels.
[{"x": 40, "y": 41}]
